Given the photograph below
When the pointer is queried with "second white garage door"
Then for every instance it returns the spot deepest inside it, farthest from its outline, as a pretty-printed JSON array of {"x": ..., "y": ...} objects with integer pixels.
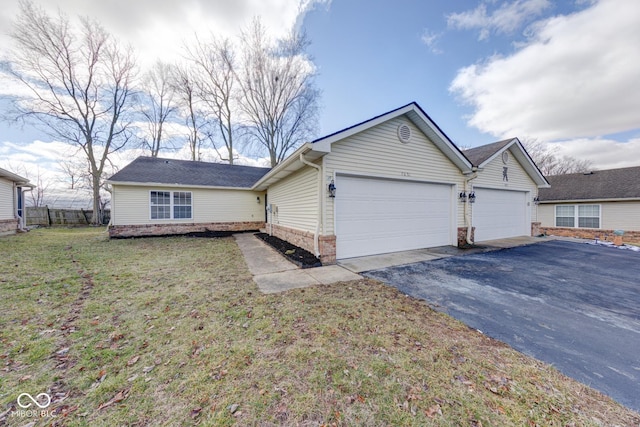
[
  {"x": 499, "y": 214},
  {"x": 375, "y": 216}
]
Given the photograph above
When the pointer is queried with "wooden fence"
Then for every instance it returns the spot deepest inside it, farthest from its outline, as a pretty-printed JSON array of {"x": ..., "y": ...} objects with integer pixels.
[{"x": 46, "y": 217}]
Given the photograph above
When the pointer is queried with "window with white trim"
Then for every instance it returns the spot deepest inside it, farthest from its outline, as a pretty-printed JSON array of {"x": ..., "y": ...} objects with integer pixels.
[
  {"x": 170, "y": 204},
  {"x": 578, "y": 216}
]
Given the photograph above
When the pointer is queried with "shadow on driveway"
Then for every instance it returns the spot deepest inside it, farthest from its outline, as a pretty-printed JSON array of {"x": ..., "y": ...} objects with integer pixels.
[{"x": 573, "y": 305}]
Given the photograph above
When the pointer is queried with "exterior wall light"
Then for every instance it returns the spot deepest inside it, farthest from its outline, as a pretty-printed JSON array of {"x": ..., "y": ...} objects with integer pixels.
[
  {"x": 462, "y": 197},
  {"x": 472, "y": 197},
  {"x": 536, "y": 200},
  {"x": 332, "y": 189},
  {"x": 258, "y": 199}
]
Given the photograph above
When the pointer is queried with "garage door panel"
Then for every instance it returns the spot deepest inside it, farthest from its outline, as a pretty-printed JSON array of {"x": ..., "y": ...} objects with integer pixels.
[
  {"x": 499, "y": 214},
  {"x": 379, "y": 216}
]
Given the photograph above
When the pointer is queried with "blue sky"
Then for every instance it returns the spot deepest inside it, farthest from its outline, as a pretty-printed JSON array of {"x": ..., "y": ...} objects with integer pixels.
[{"x": 563, "y": 72}]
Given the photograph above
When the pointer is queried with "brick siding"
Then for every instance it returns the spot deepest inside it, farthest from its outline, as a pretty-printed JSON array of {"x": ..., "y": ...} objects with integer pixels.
[
  {"x": 304, "y": 239},
  {"x": 164, "y": 229},
  {"x": 8, "y": 226},
  {"x": 589, "y": 233},
  {"x": 462, "y": 236}
]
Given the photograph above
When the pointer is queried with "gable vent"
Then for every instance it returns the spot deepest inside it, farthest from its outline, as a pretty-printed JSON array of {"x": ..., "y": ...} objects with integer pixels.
[{"x": 404, "y": 133}]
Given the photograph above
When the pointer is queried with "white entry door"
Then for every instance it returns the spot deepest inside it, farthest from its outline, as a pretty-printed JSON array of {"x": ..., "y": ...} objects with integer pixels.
[
  {"x": 499, "y": 214},
  {"x": 375, "y": 216}
]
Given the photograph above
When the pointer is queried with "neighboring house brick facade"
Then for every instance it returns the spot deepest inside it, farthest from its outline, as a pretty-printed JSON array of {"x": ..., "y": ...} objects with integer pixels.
[{"x": 593, "y": 205}]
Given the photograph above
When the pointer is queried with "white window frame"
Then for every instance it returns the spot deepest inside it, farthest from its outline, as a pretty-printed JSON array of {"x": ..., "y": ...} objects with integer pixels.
[
  {"x": 577, "y": 216},
  {"x": 172, "y": 205}
]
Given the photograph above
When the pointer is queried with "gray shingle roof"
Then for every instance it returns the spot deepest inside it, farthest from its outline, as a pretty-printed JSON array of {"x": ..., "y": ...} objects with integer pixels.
[
  {"x": 480, "y": 154},
  {"x": 184, "y": 172},
  {"x": 606, "y": 184}
]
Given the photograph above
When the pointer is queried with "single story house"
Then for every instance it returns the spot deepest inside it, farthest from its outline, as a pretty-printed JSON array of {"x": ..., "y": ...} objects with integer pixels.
[
  {"x": 392, "y": 183},
  {"x": 12, "y": 188},
  {"x": 592, "y": 205}
]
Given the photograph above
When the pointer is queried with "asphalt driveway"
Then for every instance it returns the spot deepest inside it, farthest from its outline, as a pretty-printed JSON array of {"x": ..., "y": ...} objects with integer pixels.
[{"x": 573, "y": 305}]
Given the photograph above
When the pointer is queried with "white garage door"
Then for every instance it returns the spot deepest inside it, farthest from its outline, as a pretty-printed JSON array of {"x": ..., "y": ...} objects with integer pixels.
[
  {"x": 498, "y": 214},
  {"x": 375, "y": 216}
]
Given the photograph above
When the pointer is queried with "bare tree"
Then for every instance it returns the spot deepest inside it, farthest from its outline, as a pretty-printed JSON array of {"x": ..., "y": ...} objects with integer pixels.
[
  {"x": 158, "y": 105},
  {"x": 279, "y": 100},
  {"x": 215, "y": 70},
  {"x": 549, "y": 160},
  {"x": 80, "y": 84},
  {"x": 186, "y": 91}
]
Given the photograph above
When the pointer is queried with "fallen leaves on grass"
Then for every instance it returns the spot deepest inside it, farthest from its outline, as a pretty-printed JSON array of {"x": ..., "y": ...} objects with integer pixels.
[{"x": 119, "y": 397}]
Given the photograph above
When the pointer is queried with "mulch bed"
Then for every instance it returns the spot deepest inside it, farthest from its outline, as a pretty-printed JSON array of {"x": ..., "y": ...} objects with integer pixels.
[{"x": 298, "y": 256}]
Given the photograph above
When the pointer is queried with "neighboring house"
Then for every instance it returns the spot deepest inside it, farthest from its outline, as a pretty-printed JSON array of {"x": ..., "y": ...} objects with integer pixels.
[
  {"x": 592, "y": 205},
  {"x": 394, "y": 182},
  {"x": 12, "y": 188}
]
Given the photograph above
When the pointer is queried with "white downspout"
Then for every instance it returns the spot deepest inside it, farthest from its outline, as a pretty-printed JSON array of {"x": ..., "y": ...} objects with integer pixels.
[
  {"x": 316, "y": 235},
  {"x": 467, "y": 210}
]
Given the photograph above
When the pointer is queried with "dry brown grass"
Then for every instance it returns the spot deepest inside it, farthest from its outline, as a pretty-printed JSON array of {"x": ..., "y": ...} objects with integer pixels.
[{"x": 173, "y": 331}]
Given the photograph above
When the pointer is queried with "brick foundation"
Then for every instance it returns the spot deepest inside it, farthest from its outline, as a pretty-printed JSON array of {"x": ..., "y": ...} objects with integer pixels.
[
  {"x": 587, "y": 233},
  {"x": 304, "y": 239},
  {"x": 535, "y": 229},
  {"x": 8, "y": 226},
  {"x": 177, "y": 229},
  {"x": 462, "y": 236}
]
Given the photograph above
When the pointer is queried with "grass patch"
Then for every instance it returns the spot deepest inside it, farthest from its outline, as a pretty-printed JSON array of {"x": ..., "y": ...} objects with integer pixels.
[{"x": 174, "y": 332}]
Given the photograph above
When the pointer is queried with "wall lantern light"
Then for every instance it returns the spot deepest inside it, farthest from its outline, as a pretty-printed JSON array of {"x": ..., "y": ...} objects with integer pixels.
[
  {"x": 462, "y": 197},
  {"x": 472, "y": 197},
  {"x": 536, "y": 200},
  {"x": 258, "y": 199},
  {"x": 332, "y": 189}
]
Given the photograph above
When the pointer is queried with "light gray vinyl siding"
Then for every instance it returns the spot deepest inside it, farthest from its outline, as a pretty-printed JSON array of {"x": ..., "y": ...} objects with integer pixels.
[
  {"x": 130, "y": 205},
  {"x": 296, "y": 199},
  {"x": 613, "y": 215},
  {"x": 492, "y": 177},
  {"x": 378, "y": 152},
  {"x": 6, "y": 199},
  {"x": 546, "y": 215}
]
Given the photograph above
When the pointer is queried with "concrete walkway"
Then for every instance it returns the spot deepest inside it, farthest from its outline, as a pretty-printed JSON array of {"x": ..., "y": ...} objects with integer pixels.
[{"x": 273, "y": 273}]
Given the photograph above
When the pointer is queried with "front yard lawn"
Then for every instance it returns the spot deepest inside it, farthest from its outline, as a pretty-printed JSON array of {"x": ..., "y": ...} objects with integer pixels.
[{"x": 173, "y": 332}]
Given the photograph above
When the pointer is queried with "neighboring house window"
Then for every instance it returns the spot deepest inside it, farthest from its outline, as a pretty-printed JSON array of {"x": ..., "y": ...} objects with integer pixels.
[
  {"x": 589, "y": 216},
  {"x": 182, "y": 204},
  {"x": 581, "y": 216},
  {"x": 565, "y": 216},
  {"x": 170, "y": 205}
]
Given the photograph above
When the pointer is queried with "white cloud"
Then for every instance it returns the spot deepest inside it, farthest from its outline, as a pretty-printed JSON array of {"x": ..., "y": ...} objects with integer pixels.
[
  {"x": 157, "y": 29},
  {"x": 577, "y": 77},
  {"x": 430, "y": 39},
  {"x": 602, "y": 153},
  {"x": 503, "y": 20}
]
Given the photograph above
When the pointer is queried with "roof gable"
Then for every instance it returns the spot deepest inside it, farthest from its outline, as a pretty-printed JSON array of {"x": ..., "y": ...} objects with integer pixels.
[
  {"x": 418, "y": 117},
  {"x": 481, "y": 156},
  {"x": 153, "y": 170},
  {"x": 621, "y": 183}
]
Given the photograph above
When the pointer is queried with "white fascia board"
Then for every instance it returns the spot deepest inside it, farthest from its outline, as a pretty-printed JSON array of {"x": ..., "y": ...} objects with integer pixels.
[
  {"x": 14, "y": 178},
  {"x": 289, "y": 165},
  {"x": 442, "y": 141},
  {"x": 557, "y": 202}
]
